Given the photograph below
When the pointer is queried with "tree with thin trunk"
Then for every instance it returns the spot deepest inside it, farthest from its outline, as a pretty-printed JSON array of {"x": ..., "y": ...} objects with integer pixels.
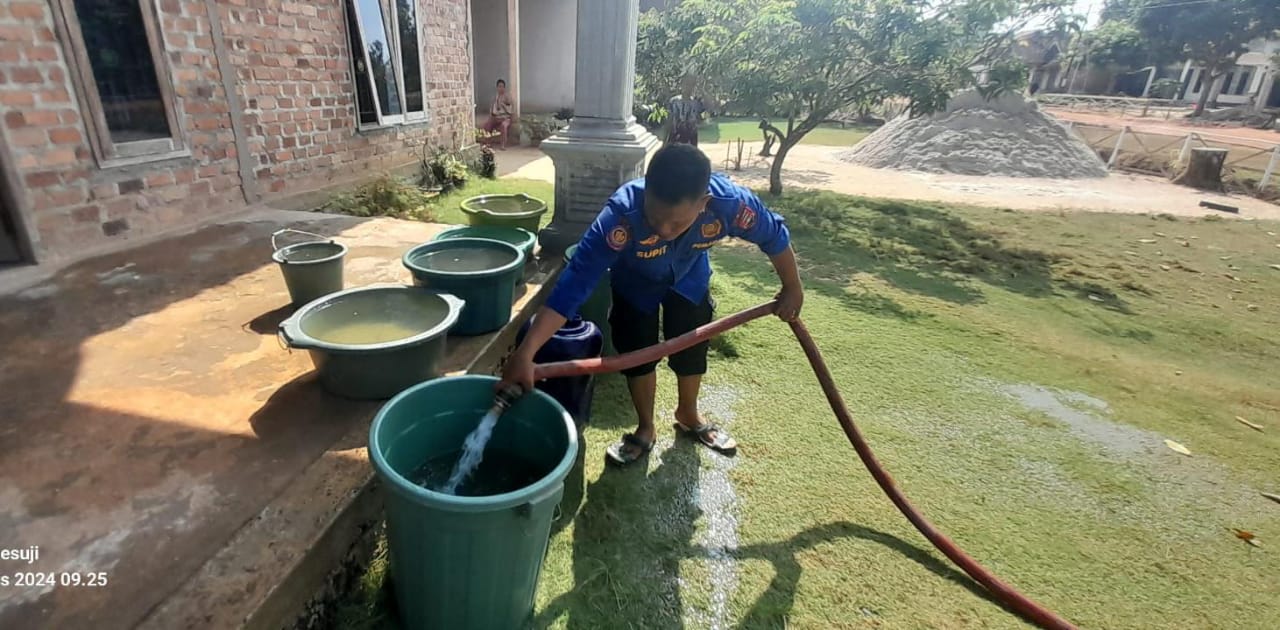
[
  {"x": 1211, "y": 33},
  {"x": 804, "y": 60}
]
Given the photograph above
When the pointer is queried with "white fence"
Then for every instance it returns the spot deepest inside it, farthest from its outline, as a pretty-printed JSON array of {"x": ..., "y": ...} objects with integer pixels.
[{"x": 1253, "y": 162}]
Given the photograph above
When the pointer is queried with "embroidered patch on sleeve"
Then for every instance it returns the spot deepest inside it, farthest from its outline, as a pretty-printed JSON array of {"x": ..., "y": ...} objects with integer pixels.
[
  {"x": 713, "y": 229},
  {"x": 618, "y": 237},
  {"x": 746, "y": 218}
]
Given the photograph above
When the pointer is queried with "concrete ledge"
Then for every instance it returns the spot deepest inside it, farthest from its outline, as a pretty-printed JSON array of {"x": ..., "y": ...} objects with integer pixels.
[{"x": 287, "y": 566}]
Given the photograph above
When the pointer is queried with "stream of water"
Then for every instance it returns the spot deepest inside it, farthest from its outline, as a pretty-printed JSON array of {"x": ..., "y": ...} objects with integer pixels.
[{"x": 472, "y": 452}]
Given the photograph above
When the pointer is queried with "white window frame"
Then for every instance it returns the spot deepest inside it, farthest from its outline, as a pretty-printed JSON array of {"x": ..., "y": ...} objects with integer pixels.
[{"x": 391, "y": 19}]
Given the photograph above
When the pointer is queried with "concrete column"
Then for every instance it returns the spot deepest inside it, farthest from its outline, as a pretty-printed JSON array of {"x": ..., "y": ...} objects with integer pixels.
[
  {"x": 513, "y": 55},
  {"x": 602, "y": 147}
]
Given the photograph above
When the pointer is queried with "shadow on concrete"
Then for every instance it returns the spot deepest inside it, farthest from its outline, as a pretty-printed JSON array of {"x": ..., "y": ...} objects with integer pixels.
[
  {"x": 301, "y": 406},
  {"x": 125, "y": 464},
  {"x": 268, "y": 323}
]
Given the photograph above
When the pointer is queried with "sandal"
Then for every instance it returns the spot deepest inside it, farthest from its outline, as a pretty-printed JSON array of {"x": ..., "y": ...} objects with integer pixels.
[
  {"x": 722, "y": 443},
  {"x": 619, "y": 453}
]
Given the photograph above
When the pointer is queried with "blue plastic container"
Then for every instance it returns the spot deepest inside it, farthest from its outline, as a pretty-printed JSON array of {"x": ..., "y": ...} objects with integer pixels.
[{"x": 577, "y": 339}]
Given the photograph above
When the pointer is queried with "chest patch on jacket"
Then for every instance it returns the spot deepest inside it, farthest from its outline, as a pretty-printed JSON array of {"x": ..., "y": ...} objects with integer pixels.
[
  {"x": 746, "y": 218},
  {"x": 651, "y": 253}
]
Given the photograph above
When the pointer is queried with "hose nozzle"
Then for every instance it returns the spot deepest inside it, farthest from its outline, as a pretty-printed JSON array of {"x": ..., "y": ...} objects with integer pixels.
[{"x": 507, "y": 396}]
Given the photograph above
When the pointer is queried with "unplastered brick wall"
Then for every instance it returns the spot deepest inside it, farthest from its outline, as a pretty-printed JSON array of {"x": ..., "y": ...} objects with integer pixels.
[
  {"x": 293, "y": 68},
  {"x": 291, "y": 71},
  {"x": 70, "y": 202}
]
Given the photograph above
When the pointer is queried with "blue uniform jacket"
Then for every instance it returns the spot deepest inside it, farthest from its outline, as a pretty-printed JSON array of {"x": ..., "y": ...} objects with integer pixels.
[{"x": 645, "y": 267}]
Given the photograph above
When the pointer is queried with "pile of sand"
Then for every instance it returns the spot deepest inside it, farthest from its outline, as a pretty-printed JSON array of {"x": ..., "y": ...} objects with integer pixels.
[{"x": 1006, "y": 136}]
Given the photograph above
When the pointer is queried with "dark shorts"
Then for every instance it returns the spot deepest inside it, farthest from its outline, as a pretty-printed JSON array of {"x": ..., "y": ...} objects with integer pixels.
[
  {"x": 633, "y": 330},
  {"x": 683, "y": 133}
]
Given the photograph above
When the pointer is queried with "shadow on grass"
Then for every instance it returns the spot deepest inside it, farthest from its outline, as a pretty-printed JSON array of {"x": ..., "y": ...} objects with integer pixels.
[
  {"x": 924, "y": 249},
  {"x": 773, "y": 607},
  {"x": 628, "y": 541}
]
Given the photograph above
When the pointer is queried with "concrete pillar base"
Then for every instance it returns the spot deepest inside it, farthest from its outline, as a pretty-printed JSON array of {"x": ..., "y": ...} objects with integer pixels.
[{"x": 592, "y": 158}]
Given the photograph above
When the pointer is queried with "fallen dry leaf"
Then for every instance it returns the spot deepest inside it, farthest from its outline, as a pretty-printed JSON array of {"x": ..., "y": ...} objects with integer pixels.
[
  {"x": 1129, "y": 253},
  {"x": 1273, "y": 497},
  {"x": 1164, "y": 267},
  {"x": 1271, "y": 233},
  {"x": 1160, "y": 234},
  {"x": 1246, "y": 536},
  {"x": 1229, "y": 276},
  {"x": 1184, "y": 243},
  {"x": 1177, "y": 448},
  {"x": 1177, "y": 372},
  {"x": 1276, "y": 267},
  {"x": 1224, "y": 258},
  {"x": 1251, "y": 425},
  {"x": 1147, "y": 240},
  {"x": 1096, "y": 298},
  {"x": 1252, "y": 307}
]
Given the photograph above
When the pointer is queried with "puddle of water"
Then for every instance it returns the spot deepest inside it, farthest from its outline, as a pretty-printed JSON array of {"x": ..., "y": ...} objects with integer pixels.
[
  {"x": 715, "y": 496},
  {"x": 1114, "y": 437},
  {"x": 38, "y": 292}
]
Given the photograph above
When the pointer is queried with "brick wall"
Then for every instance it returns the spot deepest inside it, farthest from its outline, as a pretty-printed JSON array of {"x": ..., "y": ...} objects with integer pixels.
[
  {"x": 292, "y": 75},
  {"x": 293, "y": 67}
]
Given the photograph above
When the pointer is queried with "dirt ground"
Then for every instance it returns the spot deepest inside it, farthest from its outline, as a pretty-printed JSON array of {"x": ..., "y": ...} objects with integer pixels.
[{"x": 819, "y": 167}]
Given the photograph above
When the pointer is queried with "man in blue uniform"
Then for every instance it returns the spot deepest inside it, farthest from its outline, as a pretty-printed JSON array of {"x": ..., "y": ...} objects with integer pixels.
[{"x": 654, "y": 234}]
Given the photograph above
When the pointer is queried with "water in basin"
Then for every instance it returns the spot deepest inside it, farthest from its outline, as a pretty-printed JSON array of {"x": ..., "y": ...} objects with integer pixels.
[
  {"x": 359, "y": 332},
  {"x": 500, "y": 471},
  {"x": 465, "y": 259},
  {"x": 375, "y": 317}
]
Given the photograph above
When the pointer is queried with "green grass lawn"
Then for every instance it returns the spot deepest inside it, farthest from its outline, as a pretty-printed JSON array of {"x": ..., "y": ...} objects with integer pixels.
[
  {"x": 1017, "y": 373},
  {"x": 730, "y": 129}
]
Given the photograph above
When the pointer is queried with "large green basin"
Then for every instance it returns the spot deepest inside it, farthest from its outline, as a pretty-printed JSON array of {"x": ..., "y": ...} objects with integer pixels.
[
  {"x": 468, "y": 562},
  {"x": 371, "y": 343},
  {"x": 487, "y": 287},
  {"x": 517, "y": 210},
  {"x": 521, "y": 238}
]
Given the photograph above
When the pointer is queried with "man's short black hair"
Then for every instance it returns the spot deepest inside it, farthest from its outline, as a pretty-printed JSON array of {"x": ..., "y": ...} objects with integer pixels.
[
  {"x": 678, "y": 172},
  {"x": 502, "y": 82}
]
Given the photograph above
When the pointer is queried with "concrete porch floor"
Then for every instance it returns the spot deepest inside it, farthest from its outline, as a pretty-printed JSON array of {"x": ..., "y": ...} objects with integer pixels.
[{"x": 155, "y": 431}]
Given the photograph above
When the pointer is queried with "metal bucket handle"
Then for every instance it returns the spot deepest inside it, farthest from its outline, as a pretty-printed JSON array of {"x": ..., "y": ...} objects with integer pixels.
[{"x": 275, "y": 235}]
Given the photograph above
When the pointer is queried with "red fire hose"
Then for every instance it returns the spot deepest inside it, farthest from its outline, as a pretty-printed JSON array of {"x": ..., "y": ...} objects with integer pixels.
[{"x": 1017, "y": 601}]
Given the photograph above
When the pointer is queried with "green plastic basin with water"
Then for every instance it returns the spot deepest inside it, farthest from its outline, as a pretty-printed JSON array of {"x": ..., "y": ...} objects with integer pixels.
[
  {"x": 371, "y": 343},
  {"x": 468, "y": 562},
  {"x": 482, "y": 272},
  {"x": 521, "y": 238},
  {"x": 512, "y": 210}
]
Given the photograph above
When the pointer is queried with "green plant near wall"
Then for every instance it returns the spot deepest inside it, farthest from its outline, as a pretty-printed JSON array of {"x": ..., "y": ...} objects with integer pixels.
[
  {"x": 382, "y": 197},
  {"x": 443, "y": 170}
]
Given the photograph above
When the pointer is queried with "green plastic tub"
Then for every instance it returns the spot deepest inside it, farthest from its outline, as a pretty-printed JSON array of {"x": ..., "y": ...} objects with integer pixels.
[
  {"x": 517, "y": 210},
  {"x": 312, "y": 269},
  {"x": 468, "y": 562},
  {"x": 521, "y": 238},
  {"x": 483, "y": 272},
  {"x": 596, "y": 308},
  {"x": 371, "y": 343}
]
